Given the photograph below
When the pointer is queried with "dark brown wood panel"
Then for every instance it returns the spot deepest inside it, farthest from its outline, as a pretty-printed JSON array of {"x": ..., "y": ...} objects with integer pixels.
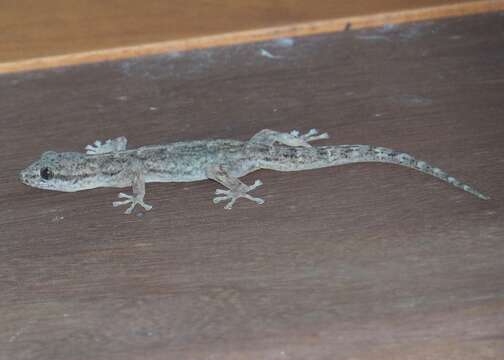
[{"x": 366, "y": 261}]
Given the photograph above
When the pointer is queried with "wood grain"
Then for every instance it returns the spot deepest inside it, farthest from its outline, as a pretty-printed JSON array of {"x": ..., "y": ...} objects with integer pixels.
[
  {"x": 363, "y": 261},
  {"x": 40, "y": 35}
]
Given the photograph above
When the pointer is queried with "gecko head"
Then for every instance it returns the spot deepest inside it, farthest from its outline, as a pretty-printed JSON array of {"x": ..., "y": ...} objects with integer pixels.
[{"x": 54, "y": 171}]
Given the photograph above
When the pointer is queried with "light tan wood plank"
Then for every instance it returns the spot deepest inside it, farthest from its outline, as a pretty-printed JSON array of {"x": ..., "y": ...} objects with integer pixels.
[{"x": 35, "y": 34}]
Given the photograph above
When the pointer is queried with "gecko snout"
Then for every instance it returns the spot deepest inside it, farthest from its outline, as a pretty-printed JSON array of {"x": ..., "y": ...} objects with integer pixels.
[
  {"x": 28, "y": 176},
  {"x": 22, "y": 177}
]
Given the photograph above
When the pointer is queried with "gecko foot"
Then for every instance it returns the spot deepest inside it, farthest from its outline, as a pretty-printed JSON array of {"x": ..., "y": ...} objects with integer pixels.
[
  {"x": 111, "y": 145},
  {"x": 131, "y": 199},
  {"x": 233, "y": 195},
  {"x": 311, "y": 135}
]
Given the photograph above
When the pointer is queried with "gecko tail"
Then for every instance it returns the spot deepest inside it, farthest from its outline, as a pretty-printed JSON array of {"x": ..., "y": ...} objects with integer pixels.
[
  {"x": 288, "y": 158},
  {"x": 440, "y": 174},
  {"x": 381, "y": 154}
]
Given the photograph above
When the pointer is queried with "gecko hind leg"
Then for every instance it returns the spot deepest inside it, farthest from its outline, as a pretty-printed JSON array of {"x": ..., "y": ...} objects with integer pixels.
[
  {"x": 233, "y": 195},
  {"x": 235, "y": 188},
  {"x": 311, "y": 135},
  {"x": 269, "y": 137}
]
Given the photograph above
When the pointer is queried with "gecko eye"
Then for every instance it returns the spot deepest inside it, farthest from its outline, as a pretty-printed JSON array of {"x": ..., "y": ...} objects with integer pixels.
[{"x": 46, "y": 174}]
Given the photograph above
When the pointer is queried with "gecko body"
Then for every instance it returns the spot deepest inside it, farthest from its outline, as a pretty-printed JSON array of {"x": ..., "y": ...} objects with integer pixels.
[{"x": 112, "y": 165}]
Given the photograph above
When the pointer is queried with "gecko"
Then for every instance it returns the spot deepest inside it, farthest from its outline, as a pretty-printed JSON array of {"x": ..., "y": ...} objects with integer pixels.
[{"x": 111, "y": 164}]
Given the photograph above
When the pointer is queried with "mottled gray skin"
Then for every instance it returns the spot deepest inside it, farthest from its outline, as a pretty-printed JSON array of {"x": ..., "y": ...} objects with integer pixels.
[{"x": 111, "y": 165}]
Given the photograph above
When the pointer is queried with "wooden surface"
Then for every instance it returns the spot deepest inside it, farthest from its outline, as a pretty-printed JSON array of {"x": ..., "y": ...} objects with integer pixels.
[
  {"x": 46, "y": 30},
  {"x": 365, "y": 261}
]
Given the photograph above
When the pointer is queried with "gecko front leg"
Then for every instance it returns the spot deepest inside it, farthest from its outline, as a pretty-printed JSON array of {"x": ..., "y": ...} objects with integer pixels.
[
  {"x": 138, "y": 186},
  {"x": 237, "y": 189}
]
